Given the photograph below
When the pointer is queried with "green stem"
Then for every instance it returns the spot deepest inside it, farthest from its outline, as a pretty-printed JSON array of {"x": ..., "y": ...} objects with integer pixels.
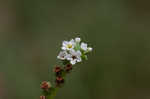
[
  {"x": 53, "y": 94},
  {"x": 54, "y": 90}
]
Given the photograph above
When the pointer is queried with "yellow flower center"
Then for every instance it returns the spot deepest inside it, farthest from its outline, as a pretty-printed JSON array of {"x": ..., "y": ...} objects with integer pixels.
[{"x": 69, "y": 45}]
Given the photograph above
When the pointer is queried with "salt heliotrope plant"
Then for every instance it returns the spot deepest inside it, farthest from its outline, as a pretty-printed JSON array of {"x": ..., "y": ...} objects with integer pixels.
[{"x": 72, "y": 52}]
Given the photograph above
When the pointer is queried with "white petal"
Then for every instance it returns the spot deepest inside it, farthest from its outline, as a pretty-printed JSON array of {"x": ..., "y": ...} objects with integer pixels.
[
  {"x": 68, "y": 57},
  {"x": 78, "y": 53},
  {"x": 72, "y": 52},
  {"x": 73, "y": 62},
  {"x": 84, "y": 46},
  {"x": 79, "y": 60},
  {"x": 63, "y": 48},
  {"x": 62, "y": 55},
  {"x": 58, "y": 57},
  {"x": 72, "y": 41},
  {"x": 65, "y": 43}
]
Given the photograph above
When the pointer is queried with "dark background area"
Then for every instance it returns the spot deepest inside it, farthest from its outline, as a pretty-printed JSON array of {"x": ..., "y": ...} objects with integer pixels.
[{"x": 31, "y": 32}]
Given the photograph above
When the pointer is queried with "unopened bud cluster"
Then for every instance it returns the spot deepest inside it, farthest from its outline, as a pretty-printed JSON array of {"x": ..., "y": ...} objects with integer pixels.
[
  {"x": 60, "y": 73},
  {"x": 74, "y": 51}
]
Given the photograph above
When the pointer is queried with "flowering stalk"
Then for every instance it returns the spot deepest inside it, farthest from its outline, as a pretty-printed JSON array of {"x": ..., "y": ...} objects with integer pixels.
[{"x": 72, "y": 52}]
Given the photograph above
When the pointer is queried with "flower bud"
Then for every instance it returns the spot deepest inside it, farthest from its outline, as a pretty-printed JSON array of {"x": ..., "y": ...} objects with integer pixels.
[
  {"x": 59, "y": 80},
  {"x": 42, "y": 97},
  {"x": 89, "y": 49},
  {"x": 68, "y": 67},
  {"x": 58, "y": 70},
  {"x": 45, "y": 85},
  {"x": 77, "y": 39}
]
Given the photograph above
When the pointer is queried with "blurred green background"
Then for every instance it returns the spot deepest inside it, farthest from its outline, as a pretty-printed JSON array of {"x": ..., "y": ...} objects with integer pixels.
[{"x": 31, "y": 32}]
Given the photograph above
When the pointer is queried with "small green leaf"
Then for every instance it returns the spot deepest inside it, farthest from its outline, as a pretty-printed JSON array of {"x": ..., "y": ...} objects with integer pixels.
[{"x": 84, "y": 57}]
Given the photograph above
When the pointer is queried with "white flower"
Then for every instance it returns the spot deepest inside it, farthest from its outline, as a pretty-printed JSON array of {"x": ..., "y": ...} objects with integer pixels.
[
  {"x": 75, "y": 56},
  {"x": 68, "y": 45},
  {"x": 84, "y": 46},
  {"x": 62, "y": 55},
  {"x": 77, "y": 39},
  {"x": 89, "y": 49}
]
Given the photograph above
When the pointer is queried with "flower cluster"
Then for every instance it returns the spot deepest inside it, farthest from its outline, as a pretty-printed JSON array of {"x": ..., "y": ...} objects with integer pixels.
[
  {"x": 74, "y": 51},
  {"x": 60, "y": 72}
]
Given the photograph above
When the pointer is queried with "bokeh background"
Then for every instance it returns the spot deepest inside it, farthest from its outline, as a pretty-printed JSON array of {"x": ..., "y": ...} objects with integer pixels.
[{"x": 31, "y": 32}]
